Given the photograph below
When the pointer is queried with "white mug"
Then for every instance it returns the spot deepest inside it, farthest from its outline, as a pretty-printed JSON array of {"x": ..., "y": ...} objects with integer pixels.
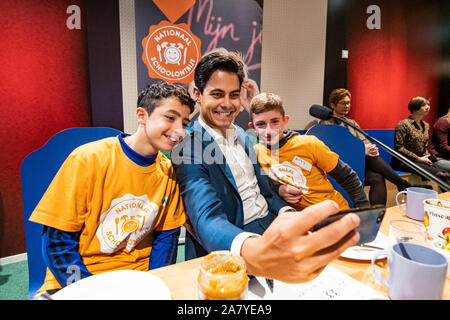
[
  {"x": 415, "y": 272},
  {"x": 414, "y": 201}
]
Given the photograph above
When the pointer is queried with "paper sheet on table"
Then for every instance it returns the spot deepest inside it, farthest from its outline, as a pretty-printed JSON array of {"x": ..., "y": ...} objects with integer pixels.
[{"x": 331, "y": 284}]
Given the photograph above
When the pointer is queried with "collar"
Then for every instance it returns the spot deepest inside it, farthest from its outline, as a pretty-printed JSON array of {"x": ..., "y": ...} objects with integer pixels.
[
  {"x": 420, "y": 125},
  {"x": 137, "y": 158},
  {"x": 343, "y": 117},
  {"x": 287, "y": 134},
  {"x": 231, "y": 133},
  {"x": 412, "y": 120}
]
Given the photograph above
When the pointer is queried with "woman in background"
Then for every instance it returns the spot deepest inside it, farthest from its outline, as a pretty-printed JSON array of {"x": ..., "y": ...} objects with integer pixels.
[
  {"x": 411, "y": 140},
  {"x": 376, "y": 169},
  {"x": 439, "y": 148}
]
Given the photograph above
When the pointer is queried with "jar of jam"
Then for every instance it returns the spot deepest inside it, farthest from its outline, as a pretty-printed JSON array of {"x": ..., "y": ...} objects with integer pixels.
[{"x": 223, "y": 276}]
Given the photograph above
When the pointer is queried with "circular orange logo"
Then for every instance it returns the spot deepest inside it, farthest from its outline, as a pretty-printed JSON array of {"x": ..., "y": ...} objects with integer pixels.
[
  {"x": 171, "y": 52},
  {"x": 130, "y": 226}
]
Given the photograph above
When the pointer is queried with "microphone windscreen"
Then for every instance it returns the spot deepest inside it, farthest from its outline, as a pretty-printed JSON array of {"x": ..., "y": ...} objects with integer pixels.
[{"x": 320, "y": 112}]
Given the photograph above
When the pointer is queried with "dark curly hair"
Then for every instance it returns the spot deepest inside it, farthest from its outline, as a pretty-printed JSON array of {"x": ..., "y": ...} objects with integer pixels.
[{"x": 152, "y": 95}]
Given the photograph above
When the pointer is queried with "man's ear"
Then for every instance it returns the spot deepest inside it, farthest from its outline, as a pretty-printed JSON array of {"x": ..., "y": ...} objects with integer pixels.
[
  {"x": 286, "y": 119},
  {"x": 196, "y": 92},
  {"x": 250, "y": 125},
  {"x": 141, "y": 116}
]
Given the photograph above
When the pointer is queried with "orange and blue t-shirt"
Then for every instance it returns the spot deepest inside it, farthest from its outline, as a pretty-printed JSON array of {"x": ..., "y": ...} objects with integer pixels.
[
  {"x": 113, "y": 207},
  {"x": 302, "y": 161}
]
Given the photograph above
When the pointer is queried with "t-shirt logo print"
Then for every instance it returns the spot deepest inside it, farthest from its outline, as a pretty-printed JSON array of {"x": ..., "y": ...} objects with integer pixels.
[
  {"x": 126, "y": 222},
  {"x": 288, "y": 173}
]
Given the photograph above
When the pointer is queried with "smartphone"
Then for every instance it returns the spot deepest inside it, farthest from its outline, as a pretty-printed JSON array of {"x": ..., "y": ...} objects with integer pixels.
[{"x": 370, "y": 221}]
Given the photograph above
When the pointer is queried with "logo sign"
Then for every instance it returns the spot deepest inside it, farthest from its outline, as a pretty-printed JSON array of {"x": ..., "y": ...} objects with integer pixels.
[{"x": 171, "y": 52}]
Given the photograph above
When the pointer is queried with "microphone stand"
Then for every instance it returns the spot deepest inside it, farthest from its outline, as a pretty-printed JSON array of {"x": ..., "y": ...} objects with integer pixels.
[{"x": 397, "y": 155}]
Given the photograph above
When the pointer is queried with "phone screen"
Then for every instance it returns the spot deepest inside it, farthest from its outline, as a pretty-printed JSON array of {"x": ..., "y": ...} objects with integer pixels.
[{"x": 370, "y": 221}]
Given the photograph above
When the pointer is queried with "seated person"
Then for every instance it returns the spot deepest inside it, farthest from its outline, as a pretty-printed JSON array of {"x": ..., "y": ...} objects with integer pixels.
[
  {"x": 229, "y": 201},
  {"x": 299, "y": 162},
  {"x": 411, "y": 140},
  {"x": 439, "y": 148},
  {"x": 376, "y": 169},
  {"x": 114, "y": 204}
]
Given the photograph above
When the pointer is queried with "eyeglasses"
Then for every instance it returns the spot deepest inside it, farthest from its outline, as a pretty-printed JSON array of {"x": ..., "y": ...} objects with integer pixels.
[{"x": 344, "y": 103}]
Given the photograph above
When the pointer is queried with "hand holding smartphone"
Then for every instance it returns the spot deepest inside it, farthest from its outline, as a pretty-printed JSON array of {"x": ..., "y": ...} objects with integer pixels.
[{"x": 370, "y": 221}]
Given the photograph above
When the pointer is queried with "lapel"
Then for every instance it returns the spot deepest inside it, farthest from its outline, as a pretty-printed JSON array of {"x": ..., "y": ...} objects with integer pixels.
[{"x": 213, "y": 150}]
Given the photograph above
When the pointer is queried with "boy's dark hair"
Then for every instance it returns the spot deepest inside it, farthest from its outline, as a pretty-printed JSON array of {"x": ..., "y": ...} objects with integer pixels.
[
  {"x": 417, "y": 102},
  {"x": 219, "y": 59},
  {"x": 152, "y": 95},
  {"x": 266, "y": 101}
]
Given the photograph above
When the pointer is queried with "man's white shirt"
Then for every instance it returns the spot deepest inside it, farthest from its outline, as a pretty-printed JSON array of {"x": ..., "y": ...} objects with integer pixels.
[{"x": 254, "y": 204}]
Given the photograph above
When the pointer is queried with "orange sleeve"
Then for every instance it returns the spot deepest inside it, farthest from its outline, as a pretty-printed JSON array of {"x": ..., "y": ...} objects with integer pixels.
[
  {"x": 63, "y": 205},
  {"x": 173, "y": 214},
  {"x": 325, "y": 158}
]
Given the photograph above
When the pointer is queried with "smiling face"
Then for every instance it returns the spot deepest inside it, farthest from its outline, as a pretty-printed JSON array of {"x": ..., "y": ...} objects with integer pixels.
[
  {"x": 165, "y": 126},
  {"x": 269, "y": 126},
  {"x": 220, "y": 100},
  {"x": 172, "y": 55}
]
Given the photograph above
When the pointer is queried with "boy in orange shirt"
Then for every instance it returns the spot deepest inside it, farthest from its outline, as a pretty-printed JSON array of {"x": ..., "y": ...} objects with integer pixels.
[
  {"x": 298, "y": 164},
  {"x": 114, "y": 203}
]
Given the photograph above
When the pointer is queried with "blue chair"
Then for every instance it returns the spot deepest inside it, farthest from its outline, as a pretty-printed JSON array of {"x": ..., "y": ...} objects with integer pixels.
[
  {"x": 350, "y": 149},
  {"x": 37, "y": 172},
  {"x": 386, "y": 136}
]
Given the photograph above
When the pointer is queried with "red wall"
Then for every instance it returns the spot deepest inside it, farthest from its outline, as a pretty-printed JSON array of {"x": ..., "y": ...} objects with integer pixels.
[
  {"x": 388, "y": 67},
  {"x": 44, "y": 88}
]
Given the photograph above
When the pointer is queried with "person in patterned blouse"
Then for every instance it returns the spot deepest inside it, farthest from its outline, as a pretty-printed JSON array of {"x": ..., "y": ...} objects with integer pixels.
[
  {"x": 411, "y": 139},
  {"x": 439, "y": 145}
]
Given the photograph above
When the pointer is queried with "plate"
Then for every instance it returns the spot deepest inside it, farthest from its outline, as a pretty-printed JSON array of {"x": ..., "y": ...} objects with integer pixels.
[
  {"x": 116, "y": 285},
  {"x": 365, "y": 253}
]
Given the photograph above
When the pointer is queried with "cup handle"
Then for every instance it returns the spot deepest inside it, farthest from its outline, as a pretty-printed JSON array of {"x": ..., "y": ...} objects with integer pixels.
[
  {"x": 396, "y": 200},
  {"x": 374, "y": 258}
]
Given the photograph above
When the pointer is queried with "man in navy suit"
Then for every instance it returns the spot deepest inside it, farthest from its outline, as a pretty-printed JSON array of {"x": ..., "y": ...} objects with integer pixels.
[{"x": 227, "y": 196}]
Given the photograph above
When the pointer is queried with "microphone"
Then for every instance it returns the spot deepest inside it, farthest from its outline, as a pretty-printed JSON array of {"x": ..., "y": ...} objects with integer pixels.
[
  {"x": 325, "y": 113},
  {"x": 320, "y": 112}
]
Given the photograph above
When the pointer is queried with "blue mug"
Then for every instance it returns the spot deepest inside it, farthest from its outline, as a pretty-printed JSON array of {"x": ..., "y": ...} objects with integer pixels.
[
  {"x": 414, "y": 201},
  {"x": 416, "y": 272}
]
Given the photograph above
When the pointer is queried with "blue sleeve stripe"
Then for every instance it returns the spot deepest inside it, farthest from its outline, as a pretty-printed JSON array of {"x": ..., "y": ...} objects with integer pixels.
[
  {"x": 173, "y": 250},
  {"x": 57, "y": 265},
  {"x": 63, "y": 253},
  {"x": 60, "y": 250},
  {"x": 164, "y": 248}
]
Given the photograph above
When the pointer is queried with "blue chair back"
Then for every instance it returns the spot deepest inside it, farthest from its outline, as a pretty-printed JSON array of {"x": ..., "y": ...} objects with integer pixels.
[
  {"x": 37, "y": 172},
  {"x": 350, "y": 149},
  {"x": 386, "y": 136}
]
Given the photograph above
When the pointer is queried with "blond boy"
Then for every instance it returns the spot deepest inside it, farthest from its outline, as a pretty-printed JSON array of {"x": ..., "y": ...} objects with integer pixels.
[{"x": 299, "y": 164}]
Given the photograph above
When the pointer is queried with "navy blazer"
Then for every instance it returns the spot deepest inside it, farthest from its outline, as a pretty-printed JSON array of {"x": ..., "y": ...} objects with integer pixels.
[{"x": 209, "y": 192}]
